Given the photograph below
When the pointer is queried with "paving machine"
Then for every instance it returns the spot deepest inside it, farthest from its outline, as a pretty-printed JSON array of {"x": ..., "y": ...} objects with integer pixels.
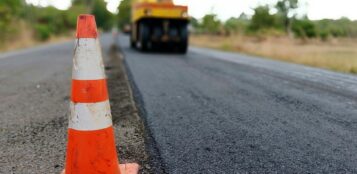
[{"x": 159, "y": 24}]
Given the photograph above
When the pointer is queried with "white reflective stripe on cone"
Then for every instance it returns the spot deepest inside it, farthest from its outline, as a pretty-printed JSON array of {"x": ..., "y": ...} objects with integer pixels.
[
  {"x": 90, "y": 116},
  {"x": 87, "y": 61}
]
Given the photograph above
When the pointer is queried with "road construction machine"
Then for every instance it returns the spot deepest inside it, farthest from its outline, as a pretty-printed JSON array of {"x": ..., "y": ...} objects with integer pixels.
[{"x": 159, "y": 24}]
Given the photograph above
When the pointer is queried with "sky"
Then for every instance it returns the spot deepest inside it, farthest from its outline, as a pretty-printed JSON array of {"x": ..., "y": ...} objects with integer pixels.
[{"x": 315, "y": 9}]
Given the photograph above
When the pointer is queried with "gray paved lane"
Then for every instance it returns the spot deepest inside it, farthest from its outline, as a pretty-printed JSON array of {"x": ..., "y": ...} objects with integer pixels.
[
  {"x": 216, "y": 112},
  {"x": 34, "y": 97}
]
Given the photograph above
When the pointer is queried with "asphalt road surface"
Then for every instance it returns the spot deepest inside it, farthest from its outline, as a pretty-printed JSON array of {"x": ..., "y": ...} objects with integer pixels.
[
  {"x": 217, "y": 112},
  {"x": 205, "y": 112},
  {"x": 34, "y": 97}
]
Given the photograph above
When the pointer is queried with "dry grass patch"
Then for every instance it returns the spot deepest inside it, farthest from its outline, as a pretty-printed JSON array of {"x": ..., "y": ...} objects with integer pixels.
[
  {"x": 26, "y": 38},
  {"x": 337, "y": 54}
]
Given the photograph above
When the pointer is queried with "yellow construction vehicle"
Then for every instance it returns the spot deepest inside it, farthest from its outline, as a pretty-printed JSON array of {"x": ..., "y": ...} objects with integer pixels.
[{"x": 157, "y": 24}]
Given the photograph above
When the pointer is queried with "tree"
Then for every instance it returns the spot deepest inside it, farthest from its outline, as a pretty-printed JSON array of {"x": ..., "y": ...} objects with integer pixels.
[
  {"x": 234, "y": 25},
  {"x": 285, "y": 11},
  {"x": 72, "y": 13},
  {"x": 124, "y": 13},
  {"x": 103, "y": 17},
  {"x": 304, "y": 28},
  {"x": 88, "y": 4},
  {"x": 231, "y": 25},
  {"x": 342, "y": 27},
  {"x": 194, "y": 22},
  {"x": 9, "y": 10},
  {"x": 262, "y": 19},
  {"x": 211, "y": 24}
]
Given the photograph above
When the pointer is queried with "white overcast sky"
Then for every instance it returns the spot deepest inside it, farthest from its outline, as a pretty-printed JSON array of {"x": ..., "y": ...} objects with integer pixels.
[{"x": 316, "y": 9}]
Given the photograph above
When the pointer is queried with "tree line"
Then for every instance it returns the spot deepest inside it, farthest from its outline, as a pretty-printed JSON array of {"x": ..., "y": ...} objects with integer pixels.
[
  {"x": 44, "y": 22},
  {"x": 17, "y": 15},
  {"x": 283, "y": 22}
]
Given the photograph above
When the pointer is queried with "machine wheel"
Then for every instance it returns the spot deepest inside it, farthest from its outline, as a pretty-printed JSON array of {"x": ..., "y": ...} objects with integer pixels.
[
  {"x": 144, "y": 37},
  {"x": 183, "y": 48},
  {"x": 132, "y": 44},
  {"x": 184, "y": 43}
]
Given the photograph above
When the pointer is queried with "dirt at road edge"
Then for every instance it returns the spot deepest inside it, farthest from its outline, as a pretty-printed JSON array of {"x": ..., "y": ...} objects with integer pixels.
[{"x": 129, "y": 127}]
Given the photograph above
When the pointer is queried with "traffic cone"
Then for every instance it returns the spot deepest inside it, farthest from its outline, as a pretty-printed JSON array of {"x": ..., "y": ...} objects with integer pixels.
[{"x": 91, "y": 146}]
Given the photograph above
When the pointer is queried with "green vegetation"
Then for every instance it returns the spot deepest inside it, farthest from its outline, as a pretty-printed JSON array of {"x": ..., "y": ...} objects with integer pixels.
[
  {"x": 17, "y": 17},
  {"x": 277, "y": 32},
  {"x": 306, "y": 29},
  {"x": 211, "y": 24},
  {"x": 9, "y": 10},
  {"x": 286, "y": 8},
  {"x": 103, "y": 17},
  {"x": 235, "y": 25},
  {"x": 262, "y": 19},
  {"x": 124, "y": 13},
  {"x": 283, "y": 22}
]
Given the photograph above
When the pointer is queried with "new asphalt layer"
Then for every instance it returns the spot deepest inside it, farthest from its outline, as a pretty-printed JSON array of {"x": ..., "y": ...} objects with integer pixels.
[{"x": 217, "y": 112}]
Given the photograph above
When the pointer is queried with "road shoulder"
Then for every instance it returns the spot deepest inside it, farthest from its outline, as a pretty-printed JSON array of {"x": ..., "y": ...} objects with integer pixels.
[{"x": 131, "y": 136}]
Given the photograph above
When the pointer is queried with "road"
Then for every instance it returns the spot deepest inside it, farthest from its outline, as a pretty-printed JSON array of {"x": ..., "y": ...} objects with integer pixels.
[
  {"x": 216, "y": 112},
  {"x": 205, "y": 112}
]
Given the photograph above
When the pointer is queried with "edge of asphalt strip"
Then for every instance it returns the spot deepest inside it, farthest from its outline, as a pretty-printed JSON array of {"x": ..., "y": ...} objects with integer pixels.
[{"x": 155, "y": 159}]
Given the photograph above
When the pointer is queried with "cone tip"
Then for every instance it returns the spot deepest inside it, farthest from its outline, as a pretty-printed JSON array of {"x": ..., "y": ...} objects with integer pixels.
[{"x": 86, "y": 26}]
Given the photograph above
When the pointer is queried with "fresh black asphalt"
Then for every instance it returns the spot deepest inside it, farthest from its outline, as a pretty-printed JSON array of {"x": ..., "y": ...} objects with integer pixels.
[{"x": 216, "y": 112}]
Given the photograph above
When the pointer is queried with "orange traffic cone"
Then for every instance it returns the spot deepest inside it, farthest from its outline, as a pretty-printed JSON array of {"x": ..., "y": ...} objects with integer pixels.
[{"x": 91, "y": 146}]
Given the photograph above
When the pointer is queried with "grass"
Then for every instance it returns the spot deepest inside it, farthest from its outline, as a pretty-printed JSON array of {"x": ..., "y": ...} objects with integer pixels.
[
  {"x": 335, "y": 54},
  {"x": 25, "y": 38}
]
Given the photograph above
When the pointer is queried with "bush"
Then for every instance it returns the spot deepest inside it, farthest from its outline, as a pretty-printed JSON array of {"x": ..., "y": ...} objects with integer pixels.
[
  {"x": 262, "y": 19},
  {"x": 304, "y": 29},
  {"x": 9, "y": 11},
  {"x": 338, "y": 28},
  {"x": 103, "y": 17},
  {"x": 211, "y": 24},
  {"x": 124, "y": 13},
  {"x": 236, "y": 25},
  {"x": 70, "y": 16},
  {"x": 323, "y": 35},
  {"x": 42, "y": 32}
]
